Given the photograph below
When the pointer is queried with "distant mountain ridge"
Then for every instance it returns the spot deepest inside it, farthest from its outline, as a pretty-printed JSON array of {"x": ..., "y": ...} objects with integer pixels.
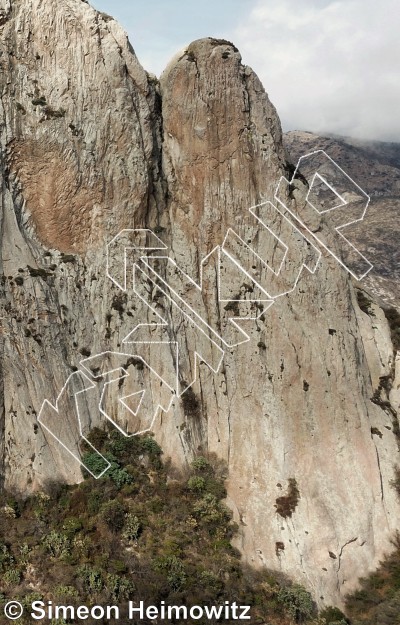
[{"x": 375, "y": 167}]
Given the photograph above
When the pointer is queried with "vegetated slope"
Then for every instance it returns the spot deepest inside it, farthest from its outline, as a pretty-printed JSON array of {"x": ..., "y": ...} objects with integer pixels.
[
  {"x": 136, "y": 534},
  {"x": 377, "y": 602},
  {"x": 375, "y": 167}
]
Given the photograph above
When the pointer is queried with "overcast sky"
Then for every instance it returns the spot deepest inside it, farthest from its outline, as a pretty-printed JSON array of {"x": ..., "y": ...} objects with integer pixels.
[{"x": 328, "y": 66}]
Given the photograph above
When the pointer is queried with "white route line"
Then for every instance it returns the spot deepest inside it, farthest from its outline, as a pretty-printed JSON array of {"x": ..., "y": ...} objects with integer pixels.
[
  {"x": 198, "y": 356},
  {"x": 55, "y": 408},
  {"x": 144, "y": 239},
  {"x": 126, "y": 374},
  {"x": 284, "y": 180}
]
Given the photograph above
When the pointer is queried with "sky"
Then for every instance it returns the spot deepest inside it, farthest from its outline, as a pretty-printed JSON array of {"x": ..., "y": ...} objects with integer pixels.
[{"x": 329, "y": 66}]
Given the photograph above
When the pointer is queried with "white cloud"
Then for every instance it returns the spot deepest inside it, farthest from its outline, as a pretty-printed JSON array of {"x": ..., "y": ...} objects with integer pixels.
[{"x": 328, "y": 65}]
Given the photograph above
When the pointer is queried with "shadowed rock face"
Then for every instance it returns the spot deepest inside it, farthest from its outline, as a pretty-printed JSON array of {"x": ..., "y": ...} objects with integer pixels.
[{"x": 92, "y": 145}]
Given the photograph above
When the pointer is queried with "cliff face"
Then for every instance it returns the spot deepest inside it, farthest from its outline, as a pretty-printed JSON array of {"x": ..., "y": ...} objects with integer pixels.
[
  {"x": 90, "y": 146},
  {"x": 78, "y": 165}
]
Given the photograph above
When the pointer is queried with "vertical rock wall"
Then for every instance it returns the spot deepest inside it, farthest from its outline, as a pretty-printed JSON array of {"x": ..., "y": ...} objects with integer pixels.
[{"x": 90, "y": 145}]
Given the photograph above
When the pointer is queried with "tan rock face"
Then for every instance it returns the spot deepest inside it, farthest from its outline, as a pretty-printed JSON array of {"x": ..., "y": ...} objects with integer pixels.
[
  {"x": 221, "y": 135},
  {"x": 110, "y": 149},
  {"x": 75, "y": 165}
]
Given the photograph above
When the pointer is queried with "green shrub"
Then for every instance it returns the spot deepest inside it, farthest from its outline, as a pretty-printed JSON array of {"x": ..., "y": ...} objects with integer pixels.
[
  {"x": 215, "y": 487},
  {"x": 66, "y": 593},
  {"x": 120, "y": 588},
  {"x": 174, "y": 570},
  {"x": 12, "y": 577},
  {"x": 150, "y": 446},
  {"x": 119, "y": 476},
  {"x": 72, "y": 526},
  {"x": 297, "y": 602},
  {"x": 118, "y": 566},
  {"x": 6, "y": 558},
  {"x": 81, "y": 546},
  {"x": 118, "y": 444},
  {"x": 201, "y": 465},
  {"x": 27, "y": 600},
  {"x": 95, "y": 463},
  {"x": 91, "y": 579},
  {"x": 14, "y": 506},
  {"x": 98, "y": 437},
  {"x": 24, "y": 552},
  {"x": 57, "y": 544},
  {"x": 210, "y": 510},
  {"x": 210, "y": 580},
  {"x": 95, "y": 501},
  {"x": 132, "y": 527},
  {"x": 197, "y": 483},
  {"x": 113, "y": 514}
]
